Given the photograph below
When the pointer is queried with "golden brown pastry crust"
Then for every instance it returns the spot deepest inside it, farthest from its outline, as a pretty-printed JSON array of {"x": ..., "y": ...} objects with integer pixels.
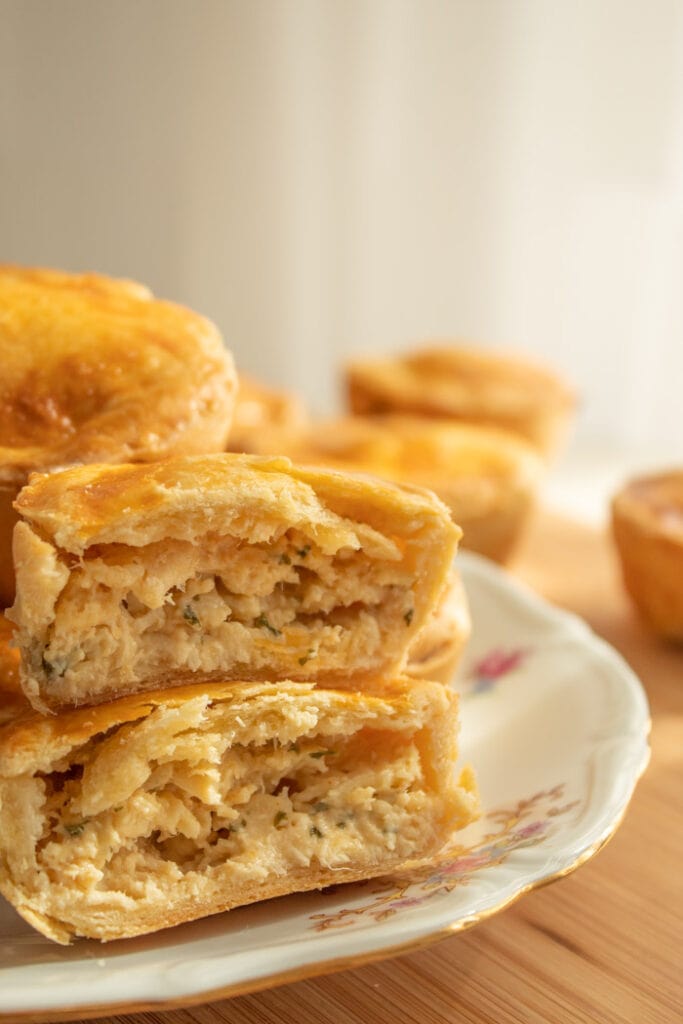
[
  {"x": 647, "y": 525},
  {"x": 97, "y": 370},
  {"x": 487, "y": 477},
  {"x": 87, "y": 795},
  {"x": 225, "y": 566},
  {"x": 260, "y": 410},
  {"x": 437, "y": 649},
  {"x": 465, "y": 384}
]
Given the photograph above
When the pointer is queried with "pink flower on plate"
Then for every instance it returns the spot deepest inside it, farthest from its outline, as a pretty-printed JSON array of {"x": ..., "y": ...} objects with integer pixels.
[
  {"x": 494, "y": 665},
  {"x": 462, "y": 865},
  {"x": 532, "y": 829},
  {"x": 407, "y": 901}
]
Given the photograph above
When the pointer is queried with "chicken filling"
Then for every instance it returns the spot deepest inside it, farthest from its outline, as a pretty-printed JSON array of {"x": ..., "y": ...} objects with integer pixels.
[
  {"x": 129, "y": 615},
  {"x": 251, "y": 811}
]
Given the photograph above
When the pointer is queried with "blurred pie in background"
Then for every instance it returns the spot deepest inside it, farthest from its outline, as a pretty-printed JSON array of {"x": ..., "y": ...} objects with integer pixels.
[
  {"x": 647, "y": 524},
  {"x": 467, "y": 385},
  {"x": 487, "y": 477},
  {"x": 259, "y": 410}
]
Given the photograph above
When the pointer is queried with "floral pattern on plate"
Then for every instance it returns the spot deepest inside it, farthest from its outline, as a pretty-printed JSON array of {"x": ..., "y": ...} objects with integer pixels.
[
  {"x": 528, "y": 823},
  {"x": 494, "y": 666}
]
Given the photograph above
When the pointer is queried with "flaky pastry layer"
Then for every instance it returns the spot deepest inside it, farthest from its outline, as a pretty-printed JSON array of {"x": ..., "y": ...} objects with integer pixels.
[{"x": 151, "y": 811}]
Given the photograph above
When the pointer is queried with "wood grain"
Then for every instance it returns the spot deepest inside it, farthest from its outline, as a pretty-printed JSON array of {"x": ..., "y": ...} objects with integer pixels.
[{"x": 603, "y": 945}]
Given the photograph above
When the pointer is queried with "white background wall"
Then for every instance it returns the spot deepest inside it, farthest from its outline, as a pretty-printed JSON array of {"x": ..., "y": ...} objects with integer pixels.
[{"x": 329, "y": 177}]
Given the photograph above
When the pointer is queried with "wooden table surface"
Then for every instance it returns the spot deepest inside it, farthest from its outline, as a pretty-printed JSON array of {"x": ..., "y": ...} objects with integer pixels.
[{"x": 603, "y": 945}]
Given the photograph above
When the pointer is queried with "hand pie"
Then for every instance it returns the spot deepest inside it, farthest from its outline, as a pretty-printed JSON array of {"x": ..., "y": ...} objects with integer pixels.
[
  {"x": 469, "y": 385},
  {"x": 97, "y": 370},
  {"x": 219, "y": 567},
  {"x": 259, "y": 410},
  {"x": 154, "y": 810},
  {"x": 437, "y": 649},
  {"x": 647, "y": 525},
  {"x": 487, "y": 477}
]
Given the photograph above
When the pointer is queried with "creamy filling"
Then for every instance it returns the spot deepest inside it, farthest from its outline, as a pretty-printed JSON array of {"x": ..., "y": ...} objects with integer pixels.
[
  {"x": 259, "y": 812},
  {"x": 127, "y": 615}
]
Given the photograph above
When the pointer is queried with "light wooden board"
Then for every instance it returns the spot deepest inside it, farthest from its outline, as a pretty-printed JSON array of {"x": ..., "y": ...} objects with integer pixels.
[{"x": 603, "y": 946}]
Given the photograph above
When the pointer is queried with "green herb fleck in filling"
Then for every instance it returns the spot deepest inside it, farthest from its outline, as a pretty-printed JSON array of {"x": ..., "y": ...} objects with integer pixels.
[
  {"x": 263, "y": 622},
  {"x": 76, "y": 828},
  {"x": 190, "y": 615},
  {"x": 56, "y": 667}
]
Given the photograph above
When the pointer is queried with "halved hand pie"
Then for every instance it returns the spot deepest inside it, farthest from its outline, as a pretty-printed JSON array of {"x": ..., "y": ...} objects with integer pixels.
[
  {"x": 219, "y": 567},
  {"x": 158, "y": 809}
]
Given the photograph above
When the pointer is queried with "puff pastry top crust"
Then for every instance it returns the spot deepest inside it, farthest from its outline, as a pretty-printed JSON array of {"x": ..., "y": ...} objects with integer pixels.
[
  {"x": 466, "y": 384},
  {"x": 219, "y": 567},
  {"x": 96, "y": 369}
]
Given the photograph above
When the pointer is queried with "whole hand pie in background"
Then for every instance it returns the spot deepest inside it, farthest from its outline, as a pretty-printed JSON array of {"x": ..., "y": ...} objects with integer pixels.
[
  {"x": 97, "y": 370},
  {"x": 647, "y": 525},
  {"x": 487, "y": 477},
  {"x": 220, "y": 567},
  {"x": 259, "y": 410},
  {"x": 468, "y": 385}
]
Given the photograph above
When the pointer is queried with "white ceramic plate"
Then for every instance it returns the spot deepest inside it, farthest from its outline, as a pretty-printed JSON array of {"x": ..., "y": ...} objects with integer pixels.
[{"x": 556, "y": 725}]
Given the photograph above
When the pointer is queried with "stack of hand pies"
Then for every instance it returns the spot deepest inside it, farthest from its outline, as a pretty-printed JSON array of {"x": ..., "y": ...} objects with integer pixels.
[{"x": 222, "y": 658}]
